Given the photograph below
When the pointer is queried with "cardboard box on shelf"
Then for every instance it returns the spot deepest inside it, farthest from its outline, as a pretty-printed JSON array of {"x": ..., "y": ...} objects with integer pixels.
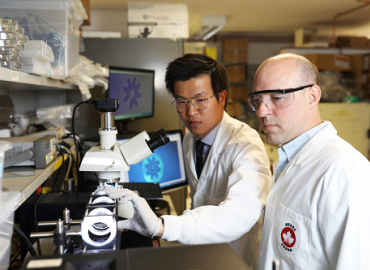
[
  {"x": 331, "y": 61},
  {"x": 157, "y": 20},
  {"x": 235, "y": 51},
  {"x": 86, "y": 5},
  {"x": 237, "y": 92},
  {"x": 234, "y": 109},
  {"x": 353, "y": 42},
  {"x": 236, "y": 73},
  {"x": 365, "y": 86},
  {"x": 360, "y": 64}
]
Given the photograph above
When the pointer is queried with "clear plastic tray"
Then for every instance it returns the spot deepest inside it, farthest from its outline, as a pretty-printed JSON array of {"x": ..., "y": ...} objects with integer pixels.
[
  {"x": 6, "y": 35},
  {"x": 7, "y": 50},
  {"x": 22, "y": 37},
  {"x": 9, "y": 43},
  {"x": 11, "y": 64},
  {"x": 9, "y": 57},
  {"x": 11, "y": 28},
  {"x": 8, "y": 21}
]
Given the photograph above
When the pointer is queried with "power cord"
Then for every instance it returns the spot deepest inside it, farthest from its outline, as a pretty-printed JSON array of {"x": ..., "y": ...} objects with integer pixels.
[
  {"x": 58, "y": 173},
  {"x": 25, "y": 241},
  {"x": 79, "y": 184}
]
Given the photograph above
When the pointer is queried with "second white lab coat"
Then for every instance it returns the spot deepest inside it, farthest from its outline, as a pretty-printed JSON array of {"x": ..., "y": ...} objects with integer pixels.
[
  {"x": 318, "y": 212},
  {"x": 230, "y": 194}
]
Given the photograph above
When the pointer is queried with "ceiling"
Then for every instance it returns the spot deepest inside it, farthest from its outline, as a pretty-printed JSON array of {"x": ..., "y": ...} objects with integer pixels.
[{"x": 269, "y": 16}]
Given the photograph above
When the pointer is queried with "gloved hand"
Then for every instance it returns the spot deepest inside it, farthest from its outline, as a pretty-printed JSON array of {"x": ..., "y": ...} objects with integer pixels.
[{"x": 144, "y": 220}]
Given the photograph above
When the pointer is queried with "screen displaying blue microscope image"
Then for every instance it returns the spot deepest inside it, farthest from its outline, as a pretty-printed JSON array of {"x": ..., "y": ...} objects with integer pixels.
[
  {"x": 165, "y": 165},
  {"x": 135, "y": 91},
  {"x": 162, "y": 166}
]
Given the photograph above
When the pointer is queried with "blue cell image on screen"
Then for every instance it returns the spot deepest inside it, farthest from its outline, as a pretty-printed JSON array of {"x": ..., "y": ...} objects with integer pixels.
[
  {"x": 135, "y": 90},
  {"x": 163, "y": 166},
  {"x": 152, "y": 168}
]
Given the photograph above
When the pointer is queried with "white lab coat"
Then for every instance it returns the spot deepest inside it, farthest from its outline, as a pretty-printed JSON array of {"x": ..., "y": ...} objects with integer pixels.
[
  {"x": 318, "y": 212},
  {"x": 230, "y": 194}
]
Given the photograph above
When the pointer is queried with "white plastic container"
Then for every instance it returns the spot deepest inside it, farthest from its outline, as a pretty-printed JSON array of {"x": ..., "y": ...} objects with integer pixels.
[
  {"x": 4, "y": 146},
  {"x": 38, "y": 49},
  {"x": 56, "y": 22},
  {"x": 8, "y": 201},
  {"x": 36, "y": 66}
]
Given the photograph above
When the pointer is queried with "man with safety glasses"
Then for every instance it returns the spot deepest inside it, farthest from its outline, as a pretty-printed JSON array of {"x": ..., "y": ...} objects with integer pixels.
[
  {"x": 317, "y": 214},
  {"x": 226, "y": 165}
]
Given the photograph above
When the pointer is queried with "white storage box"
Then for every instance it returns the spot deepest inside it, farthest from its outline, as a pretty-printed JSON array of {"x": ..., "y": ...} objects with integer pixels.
[
  {"x": 38, "y": 49},
  {"x": 36, "y": 66},
  {"x": 56, "y": 22}
]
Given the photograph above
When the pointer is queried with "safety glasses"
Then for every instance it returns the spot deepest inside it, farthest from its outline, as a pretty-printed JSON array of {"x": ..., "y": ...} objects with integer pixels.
[{"x": 273, "y": 99}]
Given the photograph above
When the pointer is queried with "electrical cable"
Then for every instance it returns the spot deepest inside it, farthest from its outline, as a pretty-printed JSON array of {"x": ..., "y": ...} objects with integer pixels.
[
  {"x": 71, "y": 160},
  {"x": 58, "y": 173},
  {"x": 25, "y": 240},
  {"x": 14, "y": 259},
  {"x": 35, "y": 213},
  {"x": 81, "y": 141},
  {"x": 69, "y": 166},
  {"x": 79, "y": 184}
]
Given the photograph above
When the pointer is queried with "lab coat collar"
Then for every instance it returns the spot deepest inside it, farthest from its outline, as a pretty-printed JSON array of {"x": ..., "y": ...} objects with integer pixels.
[
  {"x": 224, "y": 133},
  {"x": 316, "y": 143}
]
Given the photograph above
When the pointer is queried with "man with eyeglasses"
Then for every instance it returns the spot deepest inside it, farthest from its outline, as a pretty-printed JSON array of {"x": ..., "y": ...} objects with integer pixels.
[
  {"x": 317, "y": 214},
  {"x": 226, "y": 164}
]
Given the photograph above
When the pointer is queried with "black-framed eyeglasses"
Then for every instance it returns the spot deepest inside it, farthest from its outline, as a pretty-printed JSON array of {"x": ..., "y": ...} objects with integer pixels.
[
  {"x": 199, "y": 103},
  {"x": 274, "y": 99}
]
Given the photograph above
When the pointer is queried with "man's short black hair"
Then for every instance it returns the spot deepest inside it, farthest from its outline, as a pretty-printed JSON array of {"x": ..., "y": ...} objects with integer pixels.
[{"x": 194, "y": 65}]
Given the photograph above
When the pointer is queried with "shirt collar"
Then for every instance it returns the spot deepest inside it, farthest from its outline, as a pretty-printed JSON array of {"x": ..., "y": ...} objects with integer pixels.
[
  {"x": 292, "y": 148},
  {"x": 210, "y": 137}
]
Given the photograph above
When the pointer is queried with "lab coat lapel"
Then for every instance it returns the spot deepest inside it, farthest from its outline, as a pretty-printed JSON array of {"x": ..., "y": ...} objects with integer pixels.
[
  {"x": 223, "y": 135},
  {"x": 316, "y": 143},
  {"x": 190, "y": 158}
]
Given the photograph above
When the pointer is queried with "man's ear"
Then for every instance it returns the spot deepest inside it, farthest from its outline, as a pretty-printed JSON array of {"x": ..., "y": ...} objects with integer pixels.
[
  {"x": 222, "y": 98},
  {"x": 314, "y": 95}
]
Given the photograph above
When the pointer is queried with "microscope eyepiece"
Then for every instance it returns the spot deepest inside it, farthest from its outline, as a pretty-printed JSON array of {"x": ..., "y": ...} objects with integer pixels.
[{"x": 158, "y": 139}]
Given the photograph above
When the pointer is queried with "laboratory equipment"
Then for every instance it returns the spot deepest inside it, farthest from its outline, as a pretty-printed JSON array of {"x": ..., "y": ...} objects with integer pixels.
[
  {"x": 31, "y": 151},
  {"x": 99, "y": 224}
]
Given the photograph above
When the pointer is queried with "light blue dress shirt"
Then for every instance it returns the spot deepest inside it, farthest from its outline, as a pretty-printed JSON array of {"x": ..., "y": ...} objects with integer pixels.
[
  {"x": 208, "y": 140},
  {"x": 288, "y": 151}
]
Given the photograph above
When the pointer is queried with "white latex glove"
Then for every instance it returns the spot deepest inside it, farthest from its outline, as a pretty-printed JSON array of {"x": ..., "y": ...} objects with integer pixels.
[{"x": 144, "y": 220}]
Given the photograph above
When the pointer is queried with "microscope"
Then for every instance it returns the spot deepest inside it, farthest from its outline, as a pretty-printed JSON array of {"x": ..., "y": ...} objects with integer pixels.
[{"x": 99, "y": 223}]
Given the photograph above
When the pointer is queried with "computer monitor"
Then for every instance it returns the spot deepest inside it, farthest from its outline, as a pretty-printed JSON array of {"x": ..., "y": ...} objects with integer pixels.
[
  {"x": 165, "y": 165},
  {"x": 135, "y": 90}
]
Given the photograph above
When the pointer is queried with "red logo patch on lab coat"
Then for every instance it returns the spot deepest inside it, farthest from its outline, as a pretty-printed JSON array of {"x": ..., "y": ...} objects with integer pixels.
[{"x": 289, "y": 237}]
